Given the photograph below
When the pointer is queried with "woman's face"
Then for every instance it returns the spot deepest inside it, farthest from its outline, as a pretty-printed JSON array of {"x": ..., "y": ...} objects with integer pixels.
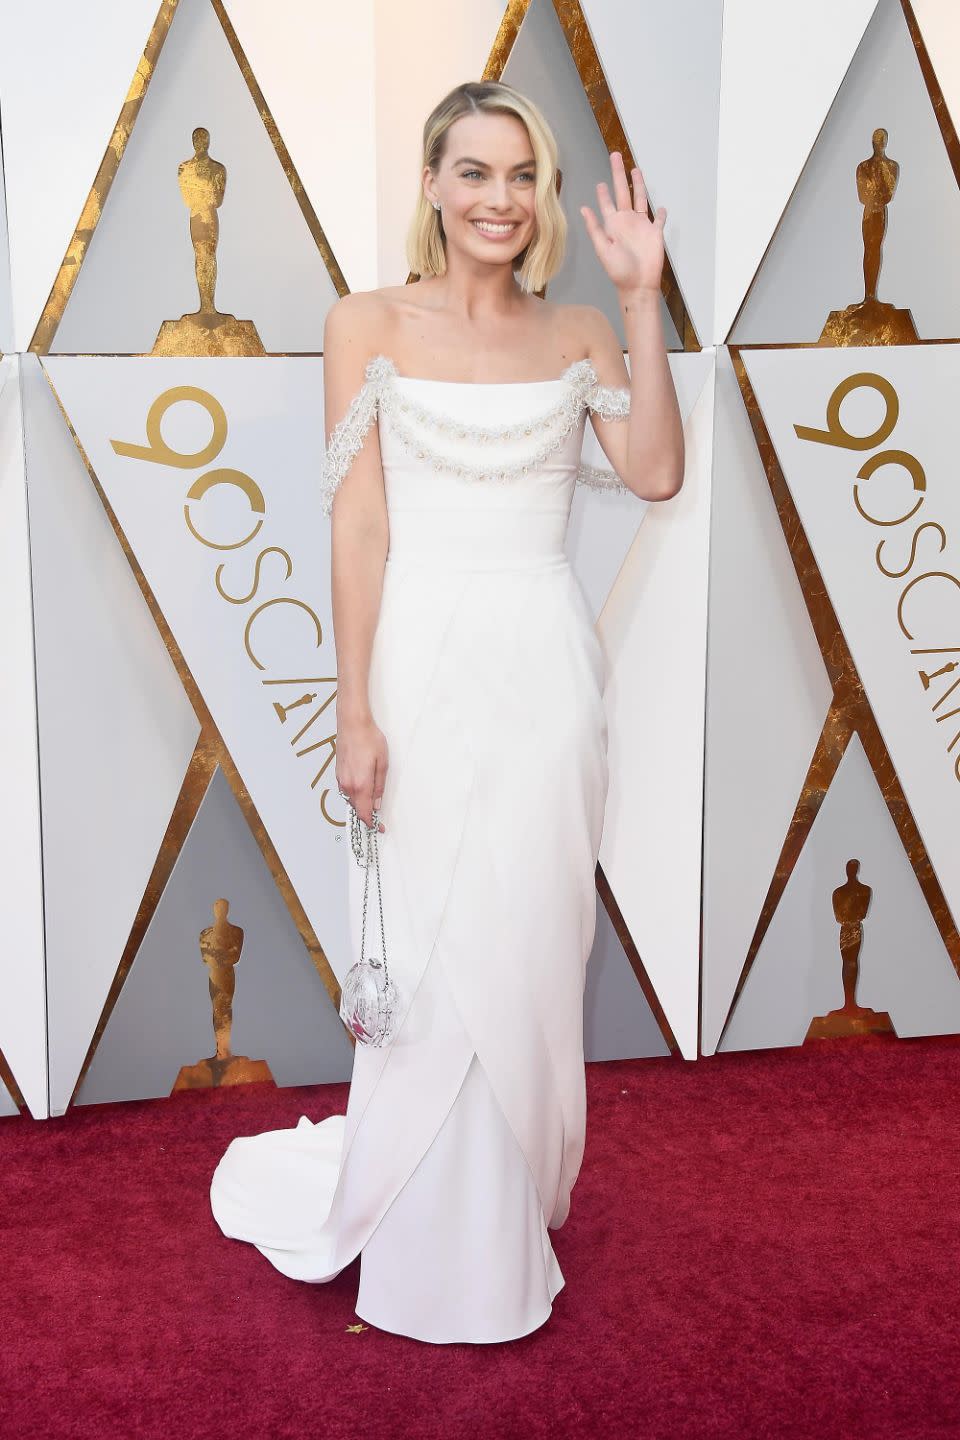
[{"x": 486, "y": 185}]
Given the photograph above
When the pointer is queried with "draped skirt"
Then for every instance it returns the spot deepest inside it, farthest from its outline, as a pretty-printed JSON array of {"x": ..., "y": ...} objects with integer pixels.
[{"x": 463, "y": 1137}]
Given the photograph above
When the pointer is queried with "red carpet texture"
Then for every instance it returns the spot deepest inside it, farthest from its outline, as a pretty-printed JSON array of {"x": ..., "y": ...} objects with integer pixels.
[{"x": 760, "y": 1245}]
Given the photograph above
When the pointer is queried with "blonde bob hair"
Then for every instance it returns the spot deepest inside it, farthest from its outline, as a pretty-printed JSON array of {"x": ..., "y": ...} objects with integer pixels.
[{"x": 539, "y": 260}]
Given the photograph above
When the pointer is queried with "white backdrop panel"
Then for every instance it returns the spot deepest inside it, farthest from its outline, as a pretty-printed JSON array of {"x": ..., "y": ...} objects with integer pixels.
[
  {"x": 7, "y": 338},
  {"x": 281, "y": 1011},
  {"x": 618, "y": 1024},
  {"x": 679, "y": 46},
  {"x": 116, "y": 732},
  {"x": 64, "y": 74},
  {"x": 603, "y": 526},
  {"x": 780, "y": 71},
  {"x": 815, "y": 262},
  {"x": 601, "y": 530},
  {"x": 920, "y": 722},
  {"x": 767, "y": 697},
  {"x": 653, "y": 631},
  {"x": 274, "y": 436},
  {"x": 23, "y": 1019},
  {"x": 139, "y": 269},
  {"x": 314, "y": 64},
  {"x": 904, "y": 967}
]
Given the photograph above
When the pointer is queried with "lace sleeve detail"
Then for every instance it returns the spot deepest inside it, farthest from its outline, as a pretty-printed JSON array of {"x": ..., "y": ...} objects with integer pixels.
[
  {"x": 610, "y": 402},
  {"x": 599, "y": 477},
  {"x": 350, "y": 432}
]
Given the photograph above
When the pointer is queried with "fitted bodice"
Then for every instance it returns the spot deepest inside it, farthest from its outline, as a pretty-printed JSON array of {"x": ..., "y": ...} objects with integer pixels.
[
  {"x": 438, "y": 514},
  {"x": 476, "y": 474}
]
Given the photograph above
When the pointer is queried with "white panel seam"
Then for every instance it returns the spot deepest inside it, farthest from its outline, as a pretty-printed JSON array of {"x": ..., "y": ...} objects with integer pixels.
[{"x": 36, "y": 713}]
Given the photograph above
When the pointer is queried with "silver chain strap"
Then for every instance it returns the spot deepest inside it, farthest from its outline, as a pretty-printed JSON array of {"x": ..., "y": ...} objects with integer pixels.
[{"x": 363, "y": 859}]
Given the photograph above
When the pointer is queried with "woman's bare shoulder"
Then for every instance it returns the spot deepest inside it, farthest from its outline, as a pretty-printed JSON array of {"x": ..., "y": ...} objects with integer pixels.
[
  {"x": 589, "y": 322},
  {"x": 581, "y": 331},
  {"x": 357, "y": 310},
  {"x": 366, "y": 320}
]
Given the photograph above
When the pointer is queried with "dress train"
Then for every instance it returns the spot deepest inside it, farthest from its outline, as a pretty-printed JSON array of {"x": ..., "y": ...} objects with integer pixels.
[{"x": 464, "y": 1136}]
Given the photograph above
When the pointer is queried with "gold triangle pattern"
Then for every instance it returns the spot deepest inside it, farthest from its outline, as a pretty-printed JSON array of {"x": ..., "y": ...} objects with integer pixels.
[
  {"x": 590, "y": 69},
  {"x": 53, "y": 311},
  {"x": 850, "y": 713},
  {"x": 7, "y": 1079},
  {"x": 947, "y": 130},
  {"x": 210, "y": 751}
]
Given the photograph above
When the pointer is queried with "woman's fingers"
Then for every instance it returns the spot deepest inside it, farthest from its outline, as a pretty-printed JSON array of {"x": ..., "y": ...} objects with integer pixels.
[
  {"x": 606, "y": 205},
  {"x": 363, "y": 758},
  {"x": 364, "y": 805},
  {"x": 370, "y": 796},
  {"x": 639, "y": 191},
  {"x": 379, "y": 776},
  {"x": 594, "y": 229},
  {"x": 364, "y": 799}
]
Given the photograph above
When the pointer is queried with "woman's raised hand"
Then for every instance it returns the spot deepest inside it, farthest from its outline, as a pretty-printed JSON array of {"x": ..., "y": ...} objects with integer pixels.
[
  {"x": 362, "y": 766},
  {"x": 628, "y": 243}
]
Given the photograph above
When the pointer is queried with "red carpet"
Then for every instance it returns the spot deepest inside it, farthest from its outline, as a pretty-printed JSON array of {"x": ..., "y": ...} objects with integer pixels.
[{"x": 760, "y": 1245}]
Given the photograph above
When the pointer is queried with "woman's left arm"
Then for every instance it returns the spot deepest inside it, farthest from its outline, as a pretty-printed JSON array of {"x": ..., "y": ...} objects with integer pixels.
[{"x": 647, "y": 451}]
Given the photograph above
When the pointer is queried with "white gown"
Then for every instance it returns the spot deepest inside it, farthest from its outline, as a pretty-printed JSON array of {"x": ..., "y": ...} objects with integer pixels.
[{"x": 463, "y": 1137}]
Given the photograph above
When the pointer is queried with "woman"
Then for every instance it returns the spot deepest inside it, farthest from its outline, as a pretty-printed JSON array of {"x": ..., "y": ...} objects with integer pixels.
[{"x": 470, "y": 715}]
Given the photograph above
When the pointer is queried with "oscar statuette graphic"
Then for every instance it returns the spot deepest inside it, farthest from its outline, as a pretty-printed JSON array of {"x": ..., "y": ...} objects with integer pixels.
[
  {"x": 872, "y": 321},
  {"x": 851, "y": 902},
  {"x": 205, "y": 331},
  {"x": 220, "y": 946},
  {"x": 284, "y": 710}
]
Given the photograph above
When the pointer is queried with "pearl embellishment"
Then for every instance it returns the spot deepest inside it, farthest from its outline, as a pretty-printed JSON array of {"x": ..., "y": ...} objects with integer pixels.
[{"x": 581, "y": 389}]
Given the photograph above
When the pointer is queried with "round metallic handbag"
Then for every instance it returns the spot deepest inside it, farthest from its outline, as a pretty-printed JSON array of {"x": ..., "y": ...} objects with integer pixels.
[{"x": 369, "y": 1001}]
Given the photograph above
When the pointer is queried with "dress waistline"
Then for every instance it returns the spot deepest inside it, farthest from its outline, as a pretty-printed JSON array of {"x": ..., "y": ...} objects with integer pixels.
[{"x": 487, "y": 539}]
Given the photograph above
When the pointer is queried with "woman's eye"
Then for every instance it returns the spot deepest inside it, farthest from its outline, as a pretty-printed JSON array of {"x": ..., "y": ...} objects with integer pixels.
[{"x": 524, "y": 174}]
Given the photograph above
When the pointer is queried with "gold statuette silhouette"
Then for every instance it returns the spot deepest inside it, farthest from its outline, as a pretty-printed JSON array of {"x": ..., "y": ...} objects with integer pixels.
[
  {"x": 851, "y": 902},
  {"x": 205, "y": 331},
  {"x": 872, "y": 321},
  {"x": 220, "y": 946}
]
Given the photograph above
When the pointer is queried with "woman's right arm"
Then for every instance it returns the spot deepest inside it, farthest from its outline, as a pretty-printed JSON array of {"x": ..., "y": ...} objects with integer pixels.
[{"x": 359, "y": 543}]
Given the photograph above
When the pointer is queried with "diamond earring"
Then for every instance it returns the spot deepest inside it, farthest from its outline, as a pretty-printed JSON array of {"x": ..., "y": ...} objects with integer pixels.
[{"x": 435, "y": 204}]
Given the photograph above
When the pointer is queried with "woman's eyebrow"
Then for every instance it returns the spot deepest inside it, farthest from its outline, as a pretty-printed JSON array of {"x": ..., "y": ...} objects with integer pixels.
[{"x": 469, "y": 160}]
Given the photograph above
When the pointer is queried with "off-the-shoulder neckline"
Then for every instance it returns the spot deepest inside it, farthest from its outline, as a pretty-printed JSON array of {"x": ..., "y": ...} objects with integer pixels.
[{"x": 386, "y": 363}]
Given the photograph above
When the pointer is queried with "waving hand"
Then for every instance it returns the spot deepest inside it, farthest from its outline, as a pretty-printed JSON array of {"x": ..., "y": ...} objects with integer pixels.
[{"x": 628, "y": 243}]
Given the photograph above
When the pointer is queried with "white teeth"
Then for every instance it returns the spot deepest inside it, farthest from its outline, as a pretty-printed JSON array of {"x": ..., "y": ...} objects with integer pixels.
[{"x": 494, "y": 229}]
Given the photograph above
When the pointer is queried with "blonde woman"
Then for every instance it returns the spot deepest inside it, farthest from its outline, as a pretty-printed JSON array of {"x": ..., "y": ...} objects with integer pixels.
[{"x": 470, "y": 728}]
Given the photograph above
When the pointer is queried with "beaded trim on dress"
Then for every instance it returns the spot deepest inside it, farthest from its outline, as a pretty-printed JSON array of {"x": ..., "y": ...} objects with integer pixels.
[{"x": 582, "y": 389}]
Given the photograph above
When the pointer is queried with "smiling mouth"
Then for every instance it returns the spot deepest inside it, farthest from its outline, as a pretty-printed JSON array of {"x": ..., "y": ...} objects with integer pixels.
[{"x": 496, "y": 229}]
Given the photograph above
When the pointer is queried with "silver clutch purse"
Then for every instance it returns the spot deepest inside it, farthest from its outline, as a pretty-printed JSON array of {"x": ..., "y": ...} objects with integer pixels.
[{"x": 369, "y": 1001}]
